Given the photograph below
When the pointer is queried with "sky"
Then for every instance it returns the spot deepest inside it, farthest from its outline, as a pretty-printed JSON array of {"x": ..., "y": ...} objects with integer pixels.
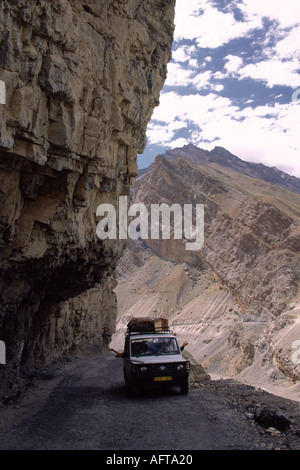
[{"x": 233, "y": 81}]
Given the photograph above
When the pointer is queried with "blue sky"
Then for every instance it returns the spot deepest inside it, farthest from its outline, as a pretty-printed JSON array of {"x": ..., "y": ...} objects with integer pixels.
[{"x": 235, "y": 68}]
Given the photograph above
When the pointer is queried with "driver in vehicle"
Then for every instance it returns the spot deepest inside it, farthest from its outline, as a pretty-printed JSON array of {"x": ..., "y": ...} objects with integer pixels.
[
  {"x": 155, "y": 347},
  {"x": 139, "y": 348}
]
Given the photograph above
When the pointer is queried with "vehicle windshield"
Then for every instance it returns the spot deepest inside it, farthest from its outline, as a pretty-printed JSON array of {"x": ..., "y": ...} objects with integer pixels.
[{"x": 154, "y": 347}]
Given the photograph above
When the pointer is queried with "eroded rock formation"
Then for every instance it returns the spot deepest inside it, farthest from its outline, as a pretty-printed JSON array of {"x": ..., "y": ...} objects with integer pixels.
[
  {"x": 82, "y": 80},
  {"x": 236, "y": 301},
  {"x": 251, "y": 241}
]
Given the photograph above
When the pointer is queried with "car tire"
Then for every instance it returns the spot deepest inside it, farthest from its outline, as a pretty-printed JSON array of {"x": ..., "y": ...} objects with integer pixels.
[
  {"x": 127, "y": 384},
  {"x": 135, "y": 390},
  {"x": 184, "y": 387}
]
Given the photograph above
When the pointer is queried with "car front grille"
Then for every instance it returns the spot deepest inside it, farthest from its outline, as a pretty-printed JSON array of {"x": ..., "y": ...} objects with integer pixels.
[{"x": 163, "y": 368}]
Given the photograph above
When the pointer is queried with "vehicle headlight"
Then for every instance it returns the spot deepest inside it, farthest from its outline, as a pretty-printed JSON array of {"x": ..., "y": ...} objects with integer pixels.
[
  {"x": 143, "y": 369},
  {"x": 180, "y": 367}
]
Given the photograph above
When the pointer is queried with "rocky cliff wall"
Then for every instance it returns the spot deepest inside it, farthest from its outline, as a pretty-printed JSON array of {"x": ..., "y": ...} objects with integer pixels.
[{"x": 82, "y": 80}]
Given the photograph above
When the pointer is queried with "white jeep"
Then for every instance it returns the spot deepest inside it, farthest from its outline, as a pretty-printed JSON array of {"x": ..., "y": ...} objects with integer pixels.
[{"x": 154, "y": 359}]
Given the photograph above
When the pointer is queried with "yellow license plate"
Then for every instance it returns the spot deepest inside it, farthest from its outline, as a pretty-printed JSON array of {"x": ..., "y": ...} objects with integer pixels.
[{"x": 161, "y": 379}]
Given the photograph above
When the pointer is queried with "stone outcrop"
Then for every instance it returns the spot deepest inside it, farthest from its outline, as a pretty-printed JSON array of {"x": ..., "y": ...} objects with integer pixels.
[{"x": 82, "y": 80}]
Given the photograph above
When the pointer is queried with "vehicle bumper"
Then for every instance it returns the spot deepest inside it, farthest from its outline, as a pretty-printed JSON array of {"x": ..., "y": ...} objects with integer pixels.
[{"x": 159, "y": 380}]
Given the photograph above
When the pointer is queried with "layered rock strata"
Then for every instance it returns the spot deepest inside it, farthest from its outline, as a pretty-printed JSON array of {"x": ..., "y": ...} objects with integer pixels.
[
  {"x": 82, "y": 80},
  {"x": 251, "y": 245},
  {"x": 235, "y": 301}
]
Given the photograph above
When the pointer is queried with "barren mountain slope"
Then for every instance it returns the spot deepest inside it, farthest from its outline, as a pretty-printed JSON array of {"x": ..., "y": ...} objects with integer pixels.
[
  {"x": 223, "y": 157},
  {"x": 236, "y": 301}
]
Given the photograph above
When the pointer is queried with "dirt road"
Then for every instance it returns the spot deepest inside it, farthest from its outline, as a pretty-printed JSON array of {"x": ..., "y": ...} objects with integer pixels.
[{"x": 84, "y": 405}]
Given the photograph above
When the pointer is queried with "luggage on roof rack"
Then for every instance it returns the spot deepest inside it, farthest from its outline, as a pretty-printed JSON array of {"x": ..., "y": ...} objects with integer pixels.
[
  {"x": 141, "y": 324},
  {"x": 147, "y": 325},
  {"x": 161, "y": 324}
]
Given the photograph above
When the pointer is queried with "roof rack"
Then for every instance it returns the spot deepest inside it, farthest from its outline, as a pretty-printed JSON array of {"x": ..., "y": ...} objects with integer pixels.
[
  {"x": 140, "y": 325},
  {"x": 133, "y": 333}
]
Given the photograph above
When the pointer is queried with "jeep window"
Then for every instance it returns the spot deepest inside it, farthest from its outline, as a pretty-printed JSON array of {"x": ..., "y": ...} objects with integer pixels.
[{"x": 154, "y": 347}]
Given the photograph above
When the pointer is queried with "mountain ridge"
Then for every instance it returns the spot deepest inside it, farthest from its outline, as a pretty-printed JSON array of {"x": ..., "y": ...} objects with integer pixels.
[{"x": 225, "y": 158}]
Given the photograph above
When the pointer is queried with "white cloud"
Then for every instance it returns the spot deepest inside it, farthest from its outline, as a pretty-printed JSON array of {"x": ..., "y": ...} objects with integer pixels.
[
  {"x": 289, "y": 47},
  {"x": 218, "y": 87},
  {"x": 233, "y": 63},
  {"x": 178, "y": 143},
  {"x": 285, "y": 12},
  {"x": 178, "y": 76},
  {"x": 202, "y": 21},
  {"x": 183, "y": 53},
  {"x": 267, "y": 134},
  {"x": 212, "y": 28},
  {"x": 203, "y": 80},
  {"x": 163, "y": 132},
  {"x": 193, "y": 63},
  {"x": 273, "y": 72}
]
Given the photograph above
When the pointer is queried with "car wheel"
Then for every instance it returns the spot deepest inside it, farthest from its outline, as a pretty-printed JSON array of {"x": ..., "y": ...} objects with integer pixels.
[
  {"x": 127, "y": 384},
  {"x": 184, "y": 387},
  {"x": 135, "y": 390}
]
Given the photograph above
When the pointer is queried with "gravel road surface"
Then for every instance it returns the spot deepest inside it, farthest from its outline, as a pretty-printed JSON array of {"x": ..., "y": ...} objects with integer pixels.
[{"x": 83, "y": 404}]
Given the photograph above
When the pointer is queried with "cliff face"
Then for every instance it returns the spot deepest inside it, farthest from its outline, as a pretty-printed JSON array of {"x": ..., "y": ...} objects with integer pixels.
[
  {"x": 82, "y": 80},
  {"x": 236, "y": 301}
]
